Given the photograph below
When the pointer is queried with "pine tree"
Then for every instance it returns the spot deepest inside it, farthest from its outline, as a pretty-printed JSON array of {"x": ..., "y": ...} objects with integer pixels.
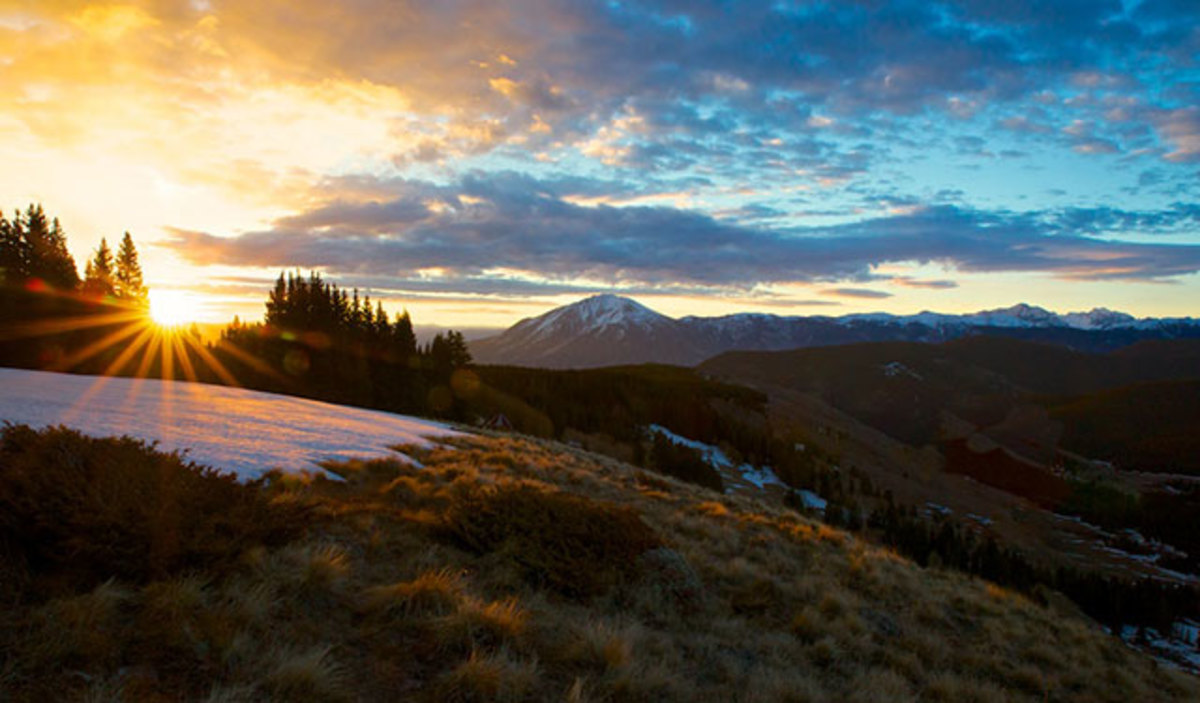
[
  {"x": 98, "y": 279},
  {"x": 14, "y": 254},
  {"x": 404, "y": 341},
  {"x": 382, "y": 326},
  {"x": 36, "y": 231},
  {"x": 32, "y": 247},
  {"x": 58, "y": 266},
  {"x": 128, "y": 281},
  {"x": 459, "y": 354},
  {"x": 277, "y": 302}
]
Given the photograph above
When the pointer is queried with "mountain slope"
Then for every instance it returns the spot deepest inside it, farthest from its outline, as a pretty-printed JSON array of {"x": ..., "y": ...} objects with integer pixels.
[
  {"x": 604, "y": 330},
  {"x": 505, "y": 570},
  {"x": 609, "y": 330},
  {"x": 905, "y": 389}
]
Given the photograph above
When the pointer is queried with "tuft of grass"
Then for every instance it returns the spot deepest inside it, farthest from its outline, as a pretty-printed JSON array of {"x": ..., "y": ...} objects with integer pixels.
[
  {"x": 82, "y": 631},
  {"x": 575, "y": 545},
  {"x": 323, "y": 567},
  {"x": 435, "y": 592},
  {"x": 307, "y": 676},
  {"x": 602, "y": 646},
  {"x": 497, "y": 677},
  {"x": 476, "y": 625}
]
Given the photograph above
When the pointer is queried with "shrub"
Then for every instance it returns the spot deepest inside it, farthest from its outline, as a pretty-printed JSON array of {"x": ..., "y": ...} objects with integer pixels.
[
  {"x": 76, "y": 511},
  {"x": 575, "y": 545}
]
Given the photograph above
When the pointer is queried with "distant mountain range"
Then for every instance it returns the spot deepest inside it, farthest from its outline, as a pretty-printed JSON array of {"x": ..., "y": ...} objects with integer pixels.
[{"x": 608, "y": 330}]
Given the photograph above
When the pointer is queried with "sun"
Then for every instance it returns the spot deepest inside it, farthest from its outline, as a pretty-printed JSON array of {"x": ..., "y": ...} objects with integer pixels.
[{"x": 172, "y": 308}]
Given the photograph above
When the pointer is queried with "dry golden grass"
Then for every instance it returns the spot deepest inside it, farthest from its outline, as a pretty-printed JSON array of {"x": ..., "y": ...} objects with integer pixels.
[
  {"x": 742, "y": 602},
  {"x": 433, "y": 592}
]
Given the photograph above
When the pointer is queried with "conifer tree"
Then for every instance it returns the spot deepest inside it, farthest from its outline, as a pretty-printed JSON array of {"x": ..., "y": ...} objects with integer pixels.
[
  {"x": 277, "y": 302},
  {"x": 36, "y": 231},
  {"x": 57, "y": 264},
  {"x": 98, "y": 278},
  {"x": 460, "y": 355},
  {"x": 404, "y": 341},
  {"x": 382, "y": 324},
  {"x": 14, "y": 253},
  {"x": 32, "y": 247},
  {"x": 128, "y": 279}
]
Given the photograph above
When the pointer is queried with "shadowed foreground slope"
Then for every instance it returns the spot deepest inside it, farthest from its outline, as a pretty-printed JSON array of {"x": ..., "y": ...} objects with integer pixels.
[{"x": 508, "y": 569}]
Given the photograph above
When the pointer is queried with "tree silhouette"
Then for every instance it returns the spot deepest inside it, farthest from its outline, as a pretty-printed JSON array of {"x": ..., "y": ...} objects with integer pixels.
[
  {"x": 128, "y": 278},
  {"x": 404, "y": 340},
  {"x": 14, "y": 255},
  {"x": 98, "y": 278},
  {"x": 448, "y": 351},
  {"x": 32, "y": 247}
]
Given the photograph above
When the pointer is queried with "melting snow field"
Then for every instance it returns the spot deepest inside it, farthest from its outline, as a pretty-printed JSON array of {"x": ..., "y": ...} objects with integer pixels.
[{"x": 245, "y": 432}]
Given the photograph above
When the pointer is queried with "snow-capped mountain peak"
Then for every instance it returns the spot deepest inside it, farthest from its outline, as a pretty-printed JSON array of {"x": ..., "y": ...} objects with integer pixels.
[
  {"x": 609, "y": 329},
  {"x": 597, "y": 331},
  {"x": 1019, "y": 315},
  {"x": 608, "y": 309},
  {"x": 1099, "y": 319},
  {"x": 594, "y": 313}
]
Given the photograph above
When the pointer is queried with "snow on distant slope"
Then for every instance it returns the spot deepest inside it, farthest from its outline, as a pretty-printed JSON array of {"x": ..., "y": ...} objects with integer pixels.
[
  {"x": 598, "y": 331},
  {"x": 1017, "y": 316},
  {"x": 1020, "y": 315},
  {"x": 603, "y": 311},
  {"x": 245, "y": 432},
  {"x": 760, "y": 477},
  {"x": 1099, "y": 319},
  {"x": 607, "y": 330}
]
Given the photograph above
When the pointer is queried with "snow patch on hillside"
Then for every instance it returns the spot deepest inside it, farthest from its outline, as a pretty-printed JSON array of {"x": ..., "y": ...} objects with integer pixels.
[
  {"x": 893, "y": 369},
  {"x": 235, "y": 430},
  {"x": 812, "y": 501},
  {"x": 1176, "y": 649},
  {"x": 760, "y": 476}
]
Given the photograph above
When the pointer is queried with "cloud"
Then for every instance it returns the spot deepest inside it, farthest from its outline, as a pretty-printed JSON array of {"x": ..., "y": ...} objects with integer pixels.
[
  {"x": 492, "y": 229},
  {"x": 1181, "y": 128},
  {"x": 824, "y": 94},
  {"x": 863, "y": 293},
  {"x": 281, "y": 105},
  {"x": 908, "y": 282}
]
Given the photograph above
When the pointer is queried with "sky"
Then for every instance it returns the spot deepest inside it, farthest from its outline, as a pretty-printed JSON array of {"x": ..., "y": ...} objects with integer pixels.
[{"x": 480, "y": 162}]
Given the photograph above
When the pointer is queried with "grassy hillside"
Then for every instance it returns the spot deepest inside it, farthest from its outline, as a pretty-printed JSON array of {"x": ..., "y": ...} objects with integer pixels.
[{"x": 512, "y": 570}]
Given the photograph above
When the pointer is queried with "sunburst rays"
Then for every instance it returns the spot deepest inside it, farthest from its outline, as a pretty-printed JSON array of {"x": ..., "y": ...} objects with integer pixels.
[{"x": 121, "y": 338}]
